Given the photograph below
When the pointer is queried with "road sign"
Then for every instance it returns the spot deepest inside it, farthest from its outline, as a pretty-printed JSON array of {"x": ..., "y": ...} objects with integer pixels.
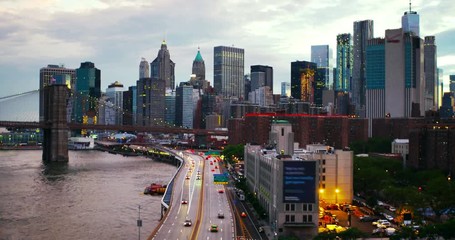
[{"x": 220, "y": 178}]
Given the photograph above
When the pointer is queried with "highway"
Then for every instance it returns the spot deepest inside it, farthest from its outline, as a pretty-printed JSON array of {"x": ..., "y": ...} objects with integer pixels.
[{"x": 198, "y": 199}]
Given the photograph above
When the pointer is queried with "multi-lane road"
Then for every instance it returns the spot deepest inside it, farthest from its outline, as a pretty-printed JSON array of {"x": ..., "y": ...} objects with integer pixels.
[{"x": 198, "y": 199}]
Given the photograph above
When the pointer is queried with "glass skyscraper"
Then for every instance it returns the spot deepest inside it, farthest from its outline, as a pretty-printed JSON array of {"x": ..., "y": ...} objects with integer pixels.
[
  {"x": 228, "y": 71},
  {"x": 304, "y": 82},
  {"x": 363, "y": 31},
  {"x": 320, "y": 56},
  {"x": 88, "y": 91},
  {"x": 342, "y": 80}
]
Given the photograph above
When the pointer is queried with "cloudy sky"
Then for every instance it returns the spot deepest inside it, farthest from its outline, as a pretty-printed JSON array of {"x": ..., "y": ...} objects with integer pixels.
[{"x": 115, "y": 34}]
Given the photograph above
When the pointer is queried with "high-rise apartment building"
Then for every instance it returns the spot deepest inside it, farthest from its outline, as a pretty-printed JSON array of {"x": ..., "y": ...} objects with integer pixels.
[
  {"x": 87, "y": 91},
  {"x": 114, "y": 93},
  {"x": 150, "y": 102},
  {"x": 320, "y": 56},
  {"x": 54, "y": 74},
  {"x": 431, "y": 74},
  {"x": 144, "y": 69},
  {"x": 130, "y": 106},
  {"x": 363, "y": 31},
  {"x": 342, "y": 80},
  {"x": 228, "y": 71},
  {"x": 163, "y": 67}
]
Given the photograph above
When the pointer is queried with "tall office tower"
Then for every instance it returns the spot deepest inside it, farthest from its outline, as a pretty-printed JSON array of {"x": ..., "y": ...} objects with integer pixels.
[
  {"x": 320, "y": 56},
  {"x": 304, "y": 77},
  {"x": 452, "y": 84},
  {"x": 440, "y": 90},
  {"x": 228, "y": 71},
  {"x": 88, "y": 91},
  {"x": 169, "y": 111},
  {"x": 363, "y": 31},
  {"x": 431, "y": 74},
  {"x": 208, "y": 107},
  {"x": 163, "y": 67},
  {"x": 150, "y": 102},
  {"x": 404, "y": 77},
  {"x": 129, "y": 106},
  {"x": 342, "y": 80},
  {"x": 247, "y": 80},
  {"x": 184, "y": 107},
  {"x": 198, "y": 66},
  {"x": 410, "y": 22},
  {"x": 375, "y": 80},
  {"x": 114, "y": 93},
  {"x": 446, "y": 110},
  {"x": 144, "y": 69},
  {"x": 285, "y": 89},
  {"x": 261, "y": 76},
  {"x": 54, "y": 74}
]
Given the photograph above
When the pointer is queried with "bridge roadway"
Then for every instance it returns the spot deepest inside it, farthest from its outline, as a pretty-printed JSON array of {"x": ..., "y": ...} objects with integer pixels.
[
  {"x": 161, "y": 129},
  {"x": 204, "y": 203}
]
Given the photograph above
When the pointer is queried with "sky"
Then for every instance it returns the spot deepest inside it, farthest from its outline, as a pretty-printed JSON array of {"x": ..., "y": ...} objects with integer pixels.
[{"x": 116, "y": 34}]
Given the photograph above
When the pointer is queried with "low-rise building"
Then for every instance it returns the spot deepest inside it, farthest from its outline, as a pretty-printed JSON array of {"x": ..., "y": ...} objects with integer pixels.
[{"x": 289, "y": 181}]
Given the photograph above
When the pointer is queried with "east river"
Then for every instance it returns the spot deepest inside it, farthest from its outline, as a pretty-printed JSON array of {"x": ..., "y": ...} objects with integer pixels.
[{"x": 95, "y": 196}]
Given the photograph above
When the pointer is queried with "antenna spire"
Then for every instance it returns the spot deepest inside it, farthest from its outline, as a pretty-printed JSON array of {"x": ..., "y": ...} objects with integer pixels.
[{"x": 409, "y": 5}]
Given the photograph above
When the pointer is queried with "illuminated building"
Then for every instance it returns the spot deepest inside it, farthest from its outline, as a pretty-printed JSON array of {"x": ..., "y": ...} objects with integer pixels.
[
  {"x": 342, "y": 80},
  {"x": 87, "y": 91},
  {"x": 150, "y": 102},
  {"x": 304, "y": 80},
  {"x": 289, "y": 181},
  {"x": 320, "y": 56}
]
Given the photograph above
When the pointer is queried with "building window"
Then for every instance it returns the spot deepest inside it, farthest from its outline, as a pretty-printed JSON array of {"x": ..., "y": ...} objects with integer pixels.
[
  {"x": 310, "y": 207},
  {"x": 323, "y": 170},
  {"x": 305, "y": 207},
  {"x": 323, "y": 185},
  {"x": 292, "y": 218},
  {"x": 287, "y": 218},
  {"x": 292, "y": 207},
  {"x": 323, "y": 178},
  {"x": 282, "y": 131},
  {"x": 323, "y": 161},
  {"x": 307, "y": 218},
  {"x": 286, "y": 207}
]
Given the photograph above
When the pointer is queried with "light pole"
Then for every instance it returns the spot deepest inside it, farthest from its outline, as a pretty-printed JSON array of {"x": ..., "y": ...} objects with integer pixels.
[{"x": 139, "y": 223}]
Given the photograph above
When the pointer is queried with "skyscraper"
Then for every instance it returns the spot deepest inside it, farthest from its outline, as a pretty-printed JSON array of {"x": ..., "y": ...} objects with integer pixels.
[
  {"x": 452, "y": 84},
  {"x": 410, "y": 22},
  {"x": 198, "y": 66},
  {"x": 54, "y": 74},
  {"x": 363, "y": 31},
  {"x": 342, "y": 80},
  {"x": 304, "y": 76},
  {"x": 285, "y": 89},
  {"x": 114, "y": 93},
  {"x": 320, "y": 56},
  {"x": 88, "y": 91},
  {"x": 431, "y": 74},
  {"x": 144, "y": 69},
  {"x": 228, "y": 71},
  {"x": 184, "y": 107},
  {"x": 150, "y": 101},
  {"x": 163, "y": 67},
  {"x": 261, "y": 76}
]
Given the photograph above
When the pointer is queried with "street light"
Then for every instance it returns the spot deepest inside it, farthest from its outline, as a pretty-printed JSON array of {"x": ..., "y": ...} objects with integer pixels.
[{"x": 336, "y": 195}]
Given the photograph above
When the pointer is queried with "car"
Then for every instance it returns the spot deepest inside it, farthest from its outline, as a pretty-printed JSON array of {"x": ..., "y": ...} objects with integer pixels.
[
  {"x": 211, "y": 163},
  {"x": 213, "y": 228},
  {"x": 220, "y": 215},
  {"x": 386, "y": 224},
  {"x": 198, "y": 178},
  {"x": 184, "y": 202},
  {"x": 368, "y": 218},
  {"x": 213, "y": 170},
  {"x": 377, "y": 231},
  {"x": 220, "y": 191},
  {"x": 187, "y": 223},
  {"x": 380, "y": 221},
  {"x": 243, "y": 214},
  {"x": 260, "y": 229},
  {"x": 216, "y": 167},
  {"x": 187, "y": 177}
]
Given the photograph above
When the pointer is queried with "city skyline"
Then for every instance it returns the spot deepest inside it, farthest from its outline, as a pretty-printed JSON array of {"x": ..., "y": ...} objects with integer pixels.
[{"x": 115, "y": 35}]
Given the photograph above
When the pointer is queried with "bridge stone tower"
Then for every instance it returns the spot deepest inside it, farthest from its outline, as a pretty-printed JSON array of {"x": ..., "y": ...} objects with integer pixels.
[{"x": 55, "y": 135}]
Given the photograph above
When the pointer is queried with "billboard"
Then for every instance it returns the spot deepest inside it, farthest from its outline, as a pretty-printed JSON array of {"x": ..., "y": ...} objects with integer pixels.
[{"x": 299, "y": 184}]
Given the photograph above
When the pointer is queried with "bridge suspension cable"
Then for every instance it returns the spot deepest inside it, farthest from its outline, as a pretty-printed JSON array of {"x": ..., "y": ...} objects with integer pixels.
[{"x": 19, "y": 94}]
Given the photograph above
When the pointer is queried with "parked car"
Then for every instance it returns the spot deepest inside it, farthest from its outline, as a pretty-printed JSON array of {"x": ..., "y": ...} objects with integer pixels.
[{"x": 380, "y": 221}]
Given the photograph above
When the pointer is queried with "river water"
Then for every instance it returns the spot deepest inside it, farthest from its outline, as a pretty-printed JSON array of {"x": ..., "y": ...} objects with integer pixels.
[{"x": 95, "y": 196}]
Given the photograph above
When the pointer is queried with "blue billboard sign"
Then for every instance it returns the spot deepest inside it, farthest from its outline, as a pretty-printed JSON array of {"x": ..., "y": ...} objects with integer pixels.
[{"x": 299, "y": 184}]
